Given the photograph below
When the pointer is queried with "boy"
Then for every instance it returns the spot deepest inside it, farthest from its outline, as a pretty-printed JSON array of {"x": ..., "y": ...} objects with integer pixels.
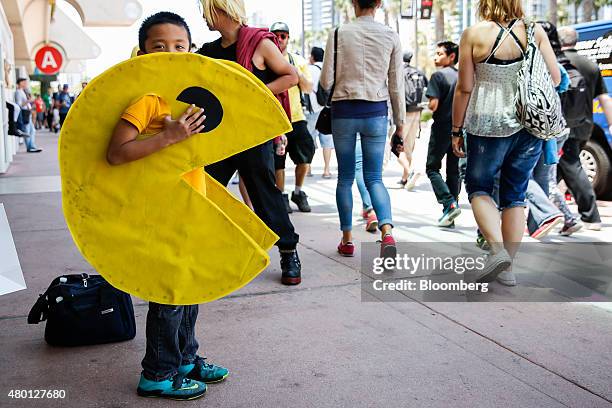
[
  {"x": 440, "y": 92},
  {"x": 171, "y": 368}
]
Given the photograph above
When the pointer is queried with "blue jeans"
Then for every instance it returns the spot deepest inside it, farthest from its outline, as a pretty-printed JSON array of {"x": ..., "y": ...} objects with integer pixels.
[
  {"x": 366, "y": 200},
  {"x": 170, "y": 340},
  {"x": 373, "y": 133},
  {"x": 514, "y": 157},
  {"x": 31, "y": 140},
  {"x": 541, "y": 209}
]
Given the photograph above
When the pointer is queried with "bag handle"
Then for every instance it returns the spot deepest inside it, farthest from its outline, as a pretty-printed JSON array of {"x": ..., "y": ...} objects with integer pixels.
[
  {"x": 39, "y": 311},
  {"x": 331, "y": 92}
]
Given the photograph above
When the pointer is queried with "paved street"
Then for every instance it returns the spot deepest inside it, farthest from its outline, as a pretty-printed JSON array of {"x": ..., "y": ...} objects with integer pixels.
[{"x": 315, "y": 345}]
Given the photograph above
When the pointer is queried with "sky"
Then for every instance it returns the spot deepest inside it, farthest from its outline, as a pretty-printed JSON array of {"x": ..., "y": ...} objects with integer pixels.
[{"x": 117, "y": 43}]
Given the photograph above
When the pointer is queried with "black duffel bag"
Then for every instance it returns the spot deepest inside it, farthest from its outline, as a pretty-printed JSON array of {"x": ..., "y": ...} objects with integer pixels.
[{"x": 82, "y": 310}]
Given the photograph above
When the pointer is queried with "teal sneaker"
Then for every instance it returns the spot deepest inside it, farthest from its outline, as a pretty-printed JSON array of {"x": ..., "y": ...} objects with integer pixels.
[
  {"x": 177, "y": 388},
  {"x": 204, "y": 372},
  {"x": 449, "y": 215}
]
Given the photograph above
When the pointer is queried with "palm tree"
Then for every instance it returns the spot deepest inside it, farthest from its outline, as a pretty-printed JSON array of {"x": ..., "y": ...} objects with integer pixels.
[
  {"x": 552, "y": 11},
  {"x": 345, "y": 8},
  {"x": 587, "y": 10},
  {"x": 597, "y": 4}
]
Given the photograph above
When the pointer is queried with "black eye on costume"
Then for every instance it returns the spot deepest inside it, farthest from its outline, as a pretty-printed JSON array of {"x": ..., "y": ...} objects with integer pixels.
[{"x": 203, "y": 98}]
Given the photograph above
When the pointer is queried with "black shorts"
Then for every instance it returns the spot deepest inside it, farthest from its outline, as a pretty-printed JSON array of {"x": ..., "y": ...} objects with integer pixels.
[{"x": 300, "y": 146}]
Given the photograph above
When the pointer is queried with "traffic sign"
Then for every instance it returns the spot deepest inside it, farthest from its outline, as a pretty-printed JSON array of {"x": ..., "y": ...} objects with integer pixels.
[{"x": 49, "y": 60}]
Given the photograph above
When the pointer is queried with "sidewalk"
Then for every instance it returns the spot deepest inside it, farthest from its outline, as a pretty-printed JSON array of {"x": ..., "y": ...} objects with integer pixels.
[{"x": 315, "y": 345}]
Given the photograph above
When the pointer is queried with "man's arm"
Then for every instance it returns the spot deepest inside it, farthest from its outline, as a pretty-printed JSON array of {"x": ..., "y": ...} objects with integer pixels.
[
  {"x": 433, "y": 104},
  {"x": 433, "y": 92},
  {"x": 305, "y": 79}
]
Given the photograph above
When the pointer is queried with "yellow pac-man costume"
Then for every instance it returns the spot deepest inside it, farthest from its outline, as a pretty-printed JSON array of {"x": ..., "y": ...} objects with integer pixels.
[{"x": 159, "y": 227}]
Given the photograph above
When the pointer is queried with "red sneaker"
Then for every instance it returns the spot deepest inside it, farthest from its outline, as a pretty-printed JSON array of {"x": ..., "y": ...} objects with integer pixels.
[
  {"x": 387, "y": 247},
  {"x": 372, "y": 222},
  {"x": 347, "y": 249},
  {"x": 546, "y": 227}
]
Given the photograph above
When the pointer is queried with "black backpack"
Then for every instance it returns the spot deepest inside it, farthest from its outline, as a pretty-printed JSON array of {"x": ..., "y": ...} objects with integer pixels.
[
  {"x": 82, "y": 310},
  {"x": 415, "y": 84},
  {"x": 575, "y": 101}
]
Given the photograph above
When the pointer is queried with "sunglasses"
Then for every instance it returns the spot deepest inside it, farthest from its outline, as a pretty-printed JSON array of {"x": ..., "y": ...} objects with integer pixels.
[{"x": 282, "y": 36}]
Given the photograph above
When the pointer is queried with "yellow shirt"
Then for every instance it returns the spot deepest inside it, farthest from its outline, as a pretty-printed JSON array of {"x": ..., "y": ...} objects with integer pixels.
[
  {"x": 297, "y": 113},
  {"x": 147, "y": 114}
]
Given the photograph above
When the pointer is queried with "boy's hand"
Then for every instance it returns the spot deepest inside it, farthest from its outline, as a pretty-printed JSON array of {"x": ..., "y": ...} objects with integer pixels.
[{"x": 189, "y": 123}]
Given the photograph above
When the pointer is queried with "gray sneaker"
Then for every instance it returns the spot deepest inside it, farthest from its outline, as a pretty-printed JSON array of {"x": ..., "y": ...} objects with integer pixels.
[
  {"x": 496, "y": 263},
  {"x": 506, "y": 278}
]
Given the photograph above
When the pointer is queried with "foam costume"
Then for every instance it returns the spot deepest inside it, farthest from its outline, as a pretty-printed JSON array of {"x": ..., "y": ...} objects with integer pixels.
[{"x": 159, "y": 227}]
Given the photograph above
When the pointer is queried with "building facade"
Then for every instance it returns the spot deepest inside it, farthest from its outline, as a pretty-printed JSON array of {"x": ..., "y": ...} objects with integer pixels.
[{"x": 28, "y": 25}]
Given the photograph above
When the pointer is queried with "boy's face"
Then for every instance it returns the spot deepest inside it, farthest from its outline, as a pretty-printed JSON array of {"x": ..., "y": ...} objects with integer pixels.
[
  {"x": 442, "y": 60},
  {"x": 166, "y": 38}
]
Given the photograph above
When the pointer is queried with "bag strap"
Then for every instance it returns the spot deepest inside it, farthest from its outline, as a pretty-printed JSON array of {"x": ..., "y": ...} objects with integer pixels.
[{"x": 331, "y": 92}]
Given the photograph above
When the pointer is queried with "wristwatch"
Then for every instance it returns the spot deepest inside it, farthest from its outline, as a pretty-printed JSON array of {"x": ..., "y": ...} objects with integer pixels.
[{"x": 458, "y": 133}]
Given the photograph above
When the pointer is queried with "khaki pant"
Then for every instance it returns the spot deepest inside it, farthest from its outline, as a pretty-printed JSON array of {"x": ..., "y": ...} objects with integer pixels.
[{"x": 412, "y": 127}]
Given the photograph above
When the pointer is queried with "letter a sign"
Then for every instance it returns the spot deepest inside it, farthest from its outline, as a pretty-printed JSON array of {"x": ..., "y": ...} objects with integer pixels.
[{"x": 49, "y": 60}]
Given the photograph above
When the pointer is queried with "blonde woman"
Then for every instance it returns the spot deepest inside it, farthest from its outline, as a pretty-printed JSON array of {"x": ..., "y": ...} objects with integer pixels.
[
  {"x": 491, "y": 53},
  {"x": 257, "y": 50}
]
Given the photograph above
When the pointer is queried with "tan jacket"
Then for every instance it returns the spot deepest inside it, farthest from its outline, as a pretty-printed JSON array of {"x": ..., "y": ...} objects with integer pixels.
[{"x": 369, "y": 65}]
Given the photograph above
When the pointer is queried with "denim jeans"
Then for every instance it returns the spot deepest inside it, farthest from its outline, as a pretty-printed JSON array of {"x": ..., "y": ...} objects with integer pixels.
[
  {"x": 30, "y": 141},
  {"x": 373, "y": 133},
  {"x": 541, "y": 208},
  {"x": 553, "y": 189},
  {"x": 170, "y": 340},
  {"x": 447, "y": 192},
  {"x": 513, "y": 157},
  {"x": 366, "y": 200}
]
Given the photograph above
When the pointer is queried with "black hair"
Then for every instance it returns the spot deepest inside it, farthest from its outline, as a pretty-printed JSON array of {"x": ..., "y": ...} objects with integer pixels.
[
  {"x": 317, "y": 54},
  {"x": 367, "y": 3},
  {"x": 163, "y": 17},
  {"x": 20, "y": 80},
  {"x": 450, "y": 48},
  {"x": 553, "y": 37}
]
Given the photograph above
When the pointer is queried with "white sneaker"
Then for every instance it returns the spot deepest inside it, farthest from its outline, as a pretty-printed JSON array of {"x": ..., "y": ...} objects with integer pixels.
[
  {"x": 412, "y": 180},
  {"x": 494, "y": 266},
  {"x": 506, "y": 278},
  {"x": 593, "y": 226}
]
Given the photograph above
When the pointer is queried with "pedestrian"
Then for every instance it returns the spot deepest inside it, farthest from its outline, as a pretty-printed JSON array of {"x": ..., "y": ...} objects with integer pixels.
[
  {"x": 570, "y": 166},
  {"x": 64, "y": 101},
  {"x": 491, "y": 55},
  {"x": 368, "y": 74},
  {"x": 326, "y": 141},
  {"x": 256, "y": 49},
  {"x": 48, "y": 107},
  {"x": 39, "y": 103},
  {"x": 300, "y": 145},
  {"x": 440, "y": 91},
  {"x": 25, "y": 122},
  {"x": 171, "y": 367},
  {"x": 415, "y": 83}
]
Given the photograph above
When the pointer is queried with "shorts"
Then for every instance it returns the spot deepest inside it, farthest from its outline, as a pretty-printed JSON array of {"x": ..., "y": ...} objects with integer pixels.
[
  {"x": 326, "y": 141},
  {"x": 513, "y": 157},
  {"x": 300, "y": 146}
]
